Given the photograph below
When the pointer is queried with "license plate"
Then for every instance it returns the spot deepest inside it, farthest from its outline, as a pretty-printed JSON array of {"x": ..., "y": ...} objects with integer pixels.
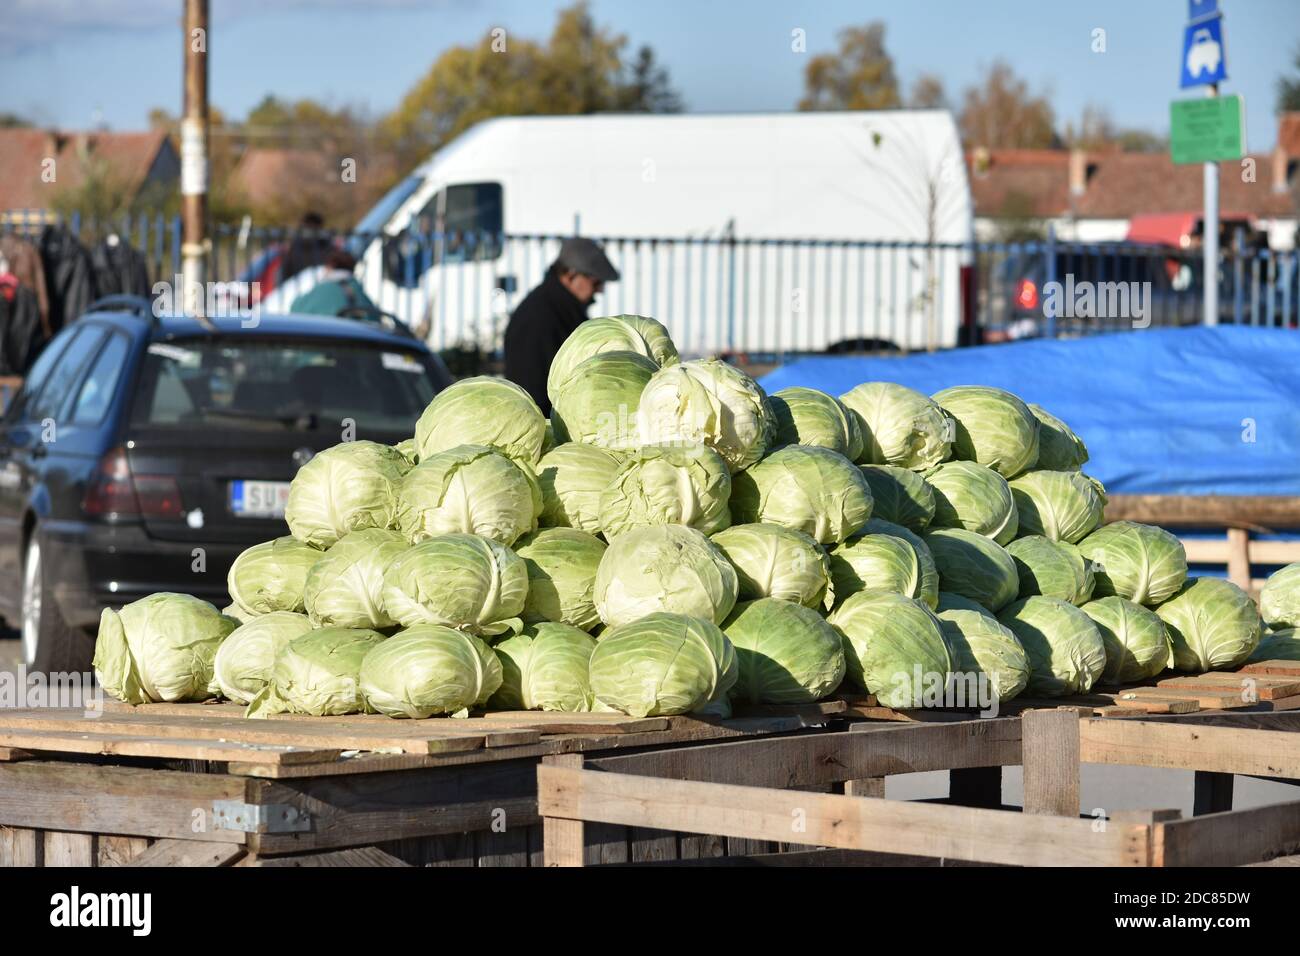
[{"x": 258, "y": 499}]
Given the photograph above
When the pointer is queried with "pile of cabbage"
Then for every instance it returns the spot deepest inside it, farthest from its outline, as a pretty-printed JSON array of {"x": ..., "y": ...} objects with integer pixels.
[{"x": 675, "y": 540}]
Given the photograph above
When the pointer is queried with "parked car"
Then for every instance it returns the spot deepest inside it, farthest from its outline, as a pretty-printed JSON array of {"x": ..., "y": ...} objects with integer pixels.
[{"x": 144, "y": 454}]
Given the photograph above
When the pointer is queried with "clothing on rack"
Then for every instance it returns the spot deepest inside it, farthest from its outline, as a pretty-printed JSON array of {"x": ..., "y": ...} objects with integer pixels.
[
  {"x": 21, "y": 336},
  {"x": 24, "y": 261},
  {"x": 119, "y": 269},
  {"x": 69, "y": 275}
]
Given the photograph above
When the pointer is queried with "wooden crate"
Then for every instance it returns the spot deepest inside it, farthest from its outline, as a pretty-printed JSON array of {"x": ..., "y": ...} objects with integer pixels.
[
  {"x": 758, "y": 791},
  {"x": 198, "y": 784}
]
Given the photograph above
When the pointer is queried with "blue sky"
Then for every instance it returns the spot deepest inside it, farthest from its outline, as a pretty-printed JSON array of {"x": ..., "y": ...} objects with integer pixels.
[{"x": 73, "y": 63}]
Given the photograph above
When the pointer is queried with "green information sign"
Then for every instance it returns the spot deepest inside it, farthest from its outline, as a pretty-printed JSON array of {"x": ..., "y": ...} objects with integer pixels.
[{"x": 1207, "y": 130}]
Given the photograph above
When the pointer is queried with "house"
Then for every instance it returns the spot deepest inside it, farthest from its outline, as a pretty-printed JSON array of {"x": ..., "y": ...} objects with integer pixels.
[
  {"x": 281, "y": 184},
  {"x": 36, "y": 165},
  {"x": 1092, "y": 196}
]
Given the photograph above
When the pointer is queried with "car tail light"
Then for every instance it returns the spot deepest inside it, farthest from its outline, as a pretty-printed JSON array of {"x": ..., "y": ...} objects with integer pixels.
[
  {"x": 1027, "y": 294},
  {"x": 116, "y": 491}
]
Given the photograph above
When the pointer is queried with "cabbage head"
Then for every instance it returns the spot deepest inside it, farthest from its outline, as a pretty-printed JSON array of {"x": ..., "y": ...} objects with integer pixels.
[
  {"x": 812, "y": 490},
  {"x": 955, "y": 602},
  {"x": 900, "y": 496},
  {"x": 318, "y": 674},
  {"x": 981, "y": 644},
  {"x": 1213, "y": 625},
  {"x": 974, "y": 566},
  {"x": 893, "y": 647},
  {"x": 547, "y": 667},
  {"x": 160, "y": 648},
  {"x": 805, "y": 416},
  {"x": 1138, "y": 562},
  {"x": 406, "y": 448},
  {"x": 929, "y": 591},
  {"x": 429, "y": 669},
  {"x": 1279, "y": 600},
  {"x": 1059, "y": 448},
  {"x": 1280, "y": 645},
  {"x": 710, "y": 402},
  {"x": 572, "y": 477},
  {"x": 1137, "y": 644},
  {"x": 668, "y": 484},
  {"x": 460, "y": 581},
  {"x": 968, "y": 495},
  {"x": 1053, "y": 569},
  {"x": 561, "y": 565},
  {"x": 245, "y": 659},
  {"x": 875, "y": 562},
  {"x": 270, "y": 576},
  {"x": 598, "y": 402},
  {"x": 664, "y": 568},
  {"x": 787, "y": 653},
  {"x": 663, "y": 664},
  {"x": 482, "y": 410},
  {"x": 345, "y": 587},
  {"x": 345, "y": 488},
  {"x": 470, "y": 489},
  {"x": 237, "y": 613},
  {"x": 776, "y": 562},
  {"x": 612, "y": 333},
  {"x": 1061, "y": 505},
  {"x": 1066, "y": 652},
  {"x": 991, "y": 427},
  {"x": 899, "y": 426}
]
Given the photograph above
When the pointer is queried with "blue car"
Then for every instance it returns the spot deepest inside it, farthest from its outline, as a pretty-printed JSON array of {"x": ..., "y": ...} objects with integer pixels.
[{"x": 143, "y": 454}]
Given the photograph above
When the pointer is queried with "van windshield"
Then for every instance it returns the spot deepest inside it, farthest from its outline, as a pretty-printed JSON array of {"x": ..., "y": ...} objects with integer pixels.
[{"x": 382, "y": 211}]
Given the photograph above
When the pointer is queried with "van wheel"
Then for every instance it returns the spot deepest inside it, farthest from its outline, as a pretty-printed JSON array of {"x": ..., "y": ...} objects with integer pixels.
[
  {"x": 49, "y": 644},
  {"x": 858, "y": 346}
]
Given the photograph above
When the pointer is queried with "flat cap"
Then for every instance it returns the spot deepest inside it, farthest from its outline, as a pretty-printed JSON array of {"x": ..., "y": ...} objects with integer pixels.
[{"x": 583, "y": 255}]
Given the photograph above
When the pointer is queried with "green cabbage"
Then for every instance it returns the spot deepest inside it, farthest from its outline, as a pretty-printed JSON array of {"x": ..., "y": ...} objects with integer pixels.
[
  {"x": 968, "y": 495},
  {"x": 710, "y": 402},
  {"x": 160, "y": 648},
  {"x": 427, "y": 670},
  {"x": 345, "y": 587},
  {"x": 1279, "y": 599},
  {"x": 1138, "y": 562},
  {"x": 1212, "y": 623},
  {"x": 572, "y": 477},
  {"x": 991, "y": 427},
  {"x": 948, "y": 601},
  {"x": 270, "y": 576},
  {"x": 318, "y": 674},
  {"x": 787, "y": 653},
  {"x": 482, "y": 411},
  {"x": 561, "y": 566},
  {"x": 460, "y": 581},
  {"x": 805, "y": 416},
  {"x": 776, "y": 562},
  {"x": 545, "y": 668},
  {"x": 974, "y": 566},
  {"x": 614, "y": 333},
  {"x": 470, "y": 489},
  {"x": 1137, "y": 644},
  {"x": 406, "y": 448},
  {"x": 1065, "y": 648},
  {"x": 663, "y": 664},
  {"x": 245, "y": 659},
  {"x": 668, "y": 484},
  {"x": 929, "y": 589},
  {"x": 345, "y": 488},
  {"x": 876, "y": 562},
  {"x": 893, "y": 647},
  {"x": 812, "y": 490},
  {"x": 981, "y": 644},
  {"x": 1059, "y": 449},
  {"x": 900, "y": 496},
  {"x": 664, "y": 568},
  {"x": 1053, "y": 569},
  {"x": 1280, "y": 645},
  {"x": 899, "y": 426},
  {"x": 598, "y": 402},
  {"x": 1061, "y": 505}
]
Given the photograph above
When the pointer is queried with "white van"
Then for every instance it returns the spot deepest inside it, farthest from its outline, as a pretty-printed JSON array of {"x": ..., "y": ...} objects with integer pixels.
[{"x": 754, "y": 233}]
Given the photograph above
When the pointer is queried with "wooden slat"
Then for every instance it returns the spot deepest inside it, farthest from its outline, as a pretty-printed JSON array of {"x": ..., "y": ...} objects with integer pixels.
[
  {"x": 1274, "y": 552},
  {"x": 557, "y": 723},
  {"x": 356, "y": 856},
  {"x": 1206, "y": 511},
  {"x": 1159, "y": 705},
  {"x": 1273, "y": 668},
  {"x": 189, "y": 853},
  {"x": 964, "y": 833},
  {"x": 177, "y": 749},
  {"x": 1051, "y": 762},
  {"x": 1228, "y": 839},
  {"x": 118, "y": 850},
  {"x": 69, "y": 849},
  {"x": 1205, "y": 699},
  {"x": 1239, "y": 557},
  {"x": 1245, "y": 686},
  {"x": 19, "y": 846},
  {"x": 1187, "y": 745},
  {"x": 564, "y": 839}
]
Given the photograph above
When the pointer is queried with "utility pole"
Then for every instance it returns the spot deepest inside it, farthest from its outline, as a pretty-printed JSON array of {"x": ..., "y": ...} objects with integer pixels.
[
  {"x": 194, "y": 159},
  {"x": 1210, "y": 238}
]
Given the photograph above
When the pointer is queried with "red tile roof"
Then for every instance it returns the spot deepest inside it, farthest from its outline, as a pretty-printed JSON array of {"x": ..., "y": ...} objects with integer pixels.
[{"x": 129, "y": 157}]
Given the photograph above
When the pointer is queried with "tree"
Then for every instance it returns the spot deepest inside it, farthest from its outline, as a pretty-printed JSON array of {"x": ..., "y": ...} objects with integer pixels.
[
  {"x": 1288, "y": 88},
  {"x": 1001, "y": 113},
  {"x": 647, "y": 89},
  {"x": 13, "y": 121},
  {"x": 860, "y": 76},
  {"x": 928, "y": 93},
  {"x": 1096, "y": 131}
]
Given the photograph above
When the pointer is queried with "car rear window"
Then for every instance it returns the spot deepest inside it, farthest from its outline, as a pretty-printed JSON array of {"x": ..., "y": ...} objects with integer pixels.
[{"x": 282, "y": 384}]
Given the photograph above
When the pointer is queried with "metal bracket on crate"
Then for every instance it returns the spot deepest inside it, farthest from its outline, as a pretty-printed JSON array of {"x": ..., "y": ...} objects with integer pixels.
[{"x": 259, "y": 817}]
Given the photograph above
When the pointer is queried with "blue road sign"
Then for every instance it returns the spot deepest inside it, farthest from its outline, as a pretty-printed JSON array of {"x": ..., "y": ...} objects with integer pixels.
[
  {"x": 1204, "y": 58},
  {"x": 1200, "y": 9}
]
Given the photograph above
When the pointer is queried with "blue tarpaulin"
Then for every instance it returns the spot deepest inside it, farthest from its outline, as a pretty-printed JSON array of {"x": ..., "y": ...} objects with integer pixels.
[{"x": 1172, "y": 411}]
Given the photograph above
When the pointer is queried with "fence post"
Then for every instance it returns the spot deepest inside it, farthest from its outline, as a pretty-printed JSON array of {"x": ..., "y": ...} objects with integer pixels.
[
  {"x": 1238, "y": 274},
  {"x": 1050, "y": 742},
  {"x": 1050, "y": 276},
  {"x": 731, "y": 290}
]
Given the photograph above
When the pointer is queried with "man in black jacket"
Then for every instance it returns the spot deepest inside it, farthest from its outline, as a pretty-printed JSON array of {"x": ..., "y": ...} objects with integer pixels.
[{"x": 546, "y": 316}]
